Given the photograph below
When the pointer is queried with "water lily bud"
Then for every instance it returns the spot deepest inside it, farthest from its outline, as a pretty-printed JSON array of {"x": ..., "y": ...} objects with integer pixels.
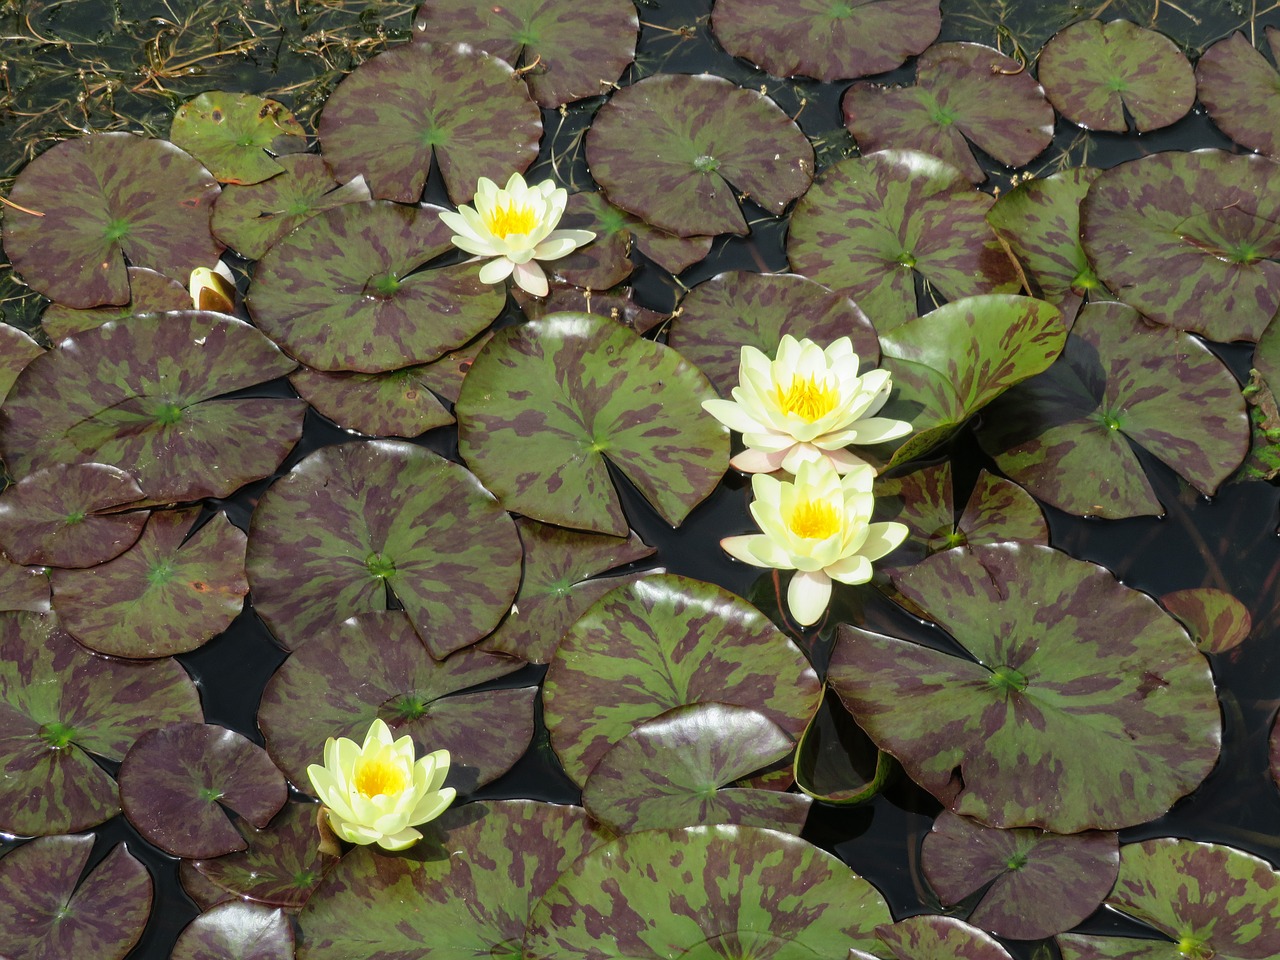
[{"x": 213, "y": 289}]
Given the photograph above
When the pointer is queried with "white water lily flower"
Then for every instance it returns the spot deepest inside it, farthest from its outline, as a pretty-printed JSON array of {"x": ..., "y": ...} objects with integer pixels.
[
  {"x": 818, "y": 526},
  {"x": 806, "y": 405},
  {"x": 376, "y": 793},
  {"x": 213, "y": 289},
  {"x": 516, "y": 226}
]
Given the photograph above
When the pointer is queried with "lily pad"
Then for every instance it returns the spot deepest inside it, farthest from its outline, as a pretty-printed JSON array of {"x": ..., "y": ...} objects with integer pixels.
[
  {"x": 61, "y": 516},
  {"x": 165, "y": 595},
  {"x": 938, "y": 938},
  {"x": 1187, "y": 239},
  {"x": 390, "y": 115},
  {"x": 23, "y": 588},
  {"x": 671, "y": 252},
  {"x": 1084, "y": 706},
  {"x": 1212, "y": 901},
  {"x": 673, "y": 771},
  {"x": 1275, "y": 751},
  {"x": 174, "y": 780},
  {"x": 204, "y": 893},
  {"x": 566, "y": 49},
  {"x": 237, "y": 135},
  {"x": 354, "y": 524},
  {"x": 836, "y": 762},
  {"x": 963, "y": 91},
  {"x": 1094, "y": 73},
  {"x": 826, "y": 40},
  {"x": 144, "y": 395},
  {"x": 604, "y": 262},
  {"x": 1064, "y": 435},
  {"x": 149, "y": 292},
  {"x": 47, "y": 914},
  {"x": 707, "y": 141},
  {"x": 236, "y": 931},
  {"x": 619, "y": 306},
  {"x": 1216, "y": 620},
  {"x": 105, "y": 197},
  {"x": 394, "y": 404},
  {"x": 548, "y": 402},
  {"x": 871, "y": 224},
  {"x": 1238, "y": 86},
  {"x": 1037, "y": 884},
  {"x": 59, "y": 704},
  {"x": 704, "y": 892},
  {"x": 16, "y": 351},
  {"x": 665, "y": 642},
  {"x": 343, "y": 291},
  {"x": 733, "y": 310}
]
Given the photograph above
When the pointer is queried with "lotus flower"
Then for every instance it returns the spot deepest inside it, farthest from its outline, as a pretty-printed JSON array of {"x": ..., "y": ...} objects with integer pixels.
[
  {"x": 807, "y": 405},
  {"x": 818, "y": 526},
  {"x": 516, "y": 226},
  {"x": 376, "y": 793}
]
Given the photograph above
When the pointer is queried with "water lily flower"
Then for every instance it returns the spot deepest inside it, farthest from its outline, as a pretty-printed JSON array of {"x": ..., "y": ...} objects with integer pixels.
[
  {"x": 818, "y": 526},
  {"x": 515, "y": 225},
  {"x": 376, "y": 793},
  {"x": 213, "y": 289},
  {"x": 806, "y": 405}
]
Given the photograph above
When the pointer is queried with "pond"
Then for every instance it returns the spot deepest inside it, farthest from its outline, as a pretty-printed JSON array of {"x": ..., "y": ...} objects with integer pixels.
[{"x": 217, "y": 558}]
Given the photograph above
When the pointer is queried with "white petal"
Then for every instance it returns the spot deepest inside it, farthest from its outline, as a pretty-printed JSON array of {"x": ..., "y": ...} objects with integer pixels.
[
  {"x": 480, "y": 248},
  {"x": 879, "y": 429},
  {"x": 399, "y": 841},
  {"x": 854, "y": 569},
  {"x": 554, "y": 249},
  {"x": 497, "y": 270},
  {"x": 731, "y": 414},
  {"x": 530, "y": 278},
  {"x": 808, "y": 596},
  {"x": 740, "y": 548},
  {"x": 752, "y": 460},
  {"x": 882, "y": 538}
]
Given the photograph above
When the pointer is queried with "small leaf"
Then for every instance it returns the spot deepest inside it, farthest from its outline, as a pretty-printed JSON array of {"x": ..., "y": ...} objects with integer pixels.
[
  {"x": 236, "y": 931},
  {"x": 236, "y": 135},
  {"x": 1216, "y": 620}
]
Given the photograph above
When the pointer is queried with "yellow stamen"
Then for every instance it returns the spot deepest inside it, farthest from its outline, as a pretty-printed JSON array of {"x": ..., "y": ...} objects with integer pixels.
[
  {"x": 814, "y": 520},
  {"x": 503, "y": 221},
  {"x": 807, "y": 398},
  {"x": 379, "y": 776}
]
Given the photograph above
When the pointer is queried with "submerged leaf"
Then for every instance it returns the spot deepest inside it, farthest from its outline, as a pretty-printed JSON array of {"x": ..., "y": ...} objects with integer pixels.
[{"x": 836, "y": 762}]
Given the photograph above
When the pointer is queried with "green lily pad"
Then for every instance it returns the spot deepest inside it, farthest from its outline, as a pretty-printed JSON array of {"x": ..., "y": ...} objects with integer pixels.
[
  {"x": 938, "y": 938},
  {"x": 144, "y": 395},
  {"x": 16, "y": 351},
  {"x": 149, "y": 292},
  {"x": 1211, "y": 901},
  {"x": 1238, "y": 86},
  {"x": 59, "y": 704},
  {"x": 963, "y": 91},
  {"x": 1083, "y": 706},
  {"x": 236, "y": 931},
  {"x": 342, "y": 292},
  {"x": 1036, "y": 883},
  {"x": 352, "y": 524},
  {"x": 374, "y": 666},
  {"x": 390, "y": 115},
  {"x": 618, "y": 306},
  {"x": 1094, "y": 72},
  {"x": 604, "y": 262},
  {"x": 871, "y": 224},
  {"x": 237, "y": 135},
  {"x": 105, "y": 197},
  {"x": 1216, "y": 620},
  {"x": 704, "y": 892},
  {"x": 548, "y": 402},
  {"x": 394, "y": 404},
  {"x": 707, "y": 141},
  {"x": 60, "y": 516},
  {"x": 732, "y": 310},
  {"x": 566, "y": 49},
  {"x": 824, "y": 39},
  {"x": 175, "y": 779},
  {"x": 836, "y": 762},
  {"x": 47, "y": 914},
  {"x": 465, "y": 891},
  {"x": 1064, "y": 434},
  {"x": 665, "y": 642},
  {"x": 673, "y": 771},
  {"x": 1187, "y": 239}
]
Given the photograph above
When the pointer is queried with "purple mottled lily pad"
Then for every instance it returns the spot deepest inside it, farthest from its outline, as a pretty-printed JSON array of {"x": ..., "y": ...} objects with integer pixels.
[
  {"x": 149, "y": 292},
  {"x": 236, "y": 931},
  {"x": 871, "y": 223},
  {"x": 445, "y": 375},
  {"x": 394, "y": 404},
  {"x": 204, "y": 893},
  {"x": 58, "y": 704},
  {"x": 104, "y": 198},
  {"x": 733, "y": 310},
  {"x": 169, "y": 593},
  {"x": 548, "y": 402},
  {"x": 937, "y": 938},
  {"x": 1188, "y": 239},
  {"x": 16, "y": 351},
  {"x": 60, "y": 516},
  {"x": 824, "y": 40},
  {"x": 707, "y": 142},
  {"x": 673, "y": 771},
  {"x": 1212, "y": 901},
  {"x": 1037, "y": 884},
  {"x": 664, "y": 642},
  {"x": 374, "y": 666},
  {"x": 566, "y": 49},
  {"x": 1095, "y": 72},
  {"x": 671, "y": 252},
  {"x": 617, "y": 305},
  {"x": 1275, "y": 751},
  {"x": 45, "y": 915},
  {"x": 705, "y": 892},
  {"x": 393, "y": 112},
  {"x": 465, "y": 891},
  {"x": 1083, "y": 706},
  {"x": 23, "y": 588},
  {"x": 1064, "y": 434},
  {"x": 1216, "y": 620},
  {"x": 143, "y": 395},
  {"x": 557, "y": 586},
  {"x": 343, "y": 291},
  {"x": 606, "y": 261},
  {"x": 353, "y": 523},
  {"x": 836, "y": 762},
  {"x": 1241, "y": 91},
  {"x": 963, "y": 91},
  {"x": 237, "y": 135}
]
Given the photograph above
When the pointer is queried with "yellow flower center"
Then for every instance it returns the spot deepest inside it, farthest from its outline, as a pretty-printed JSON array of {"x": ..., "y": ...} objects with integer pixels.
[
  {"x": 380, "y": 776},
  {"x": 807, "y": 398},
  {"x": 814, "y": 520},
  {"x": 505, "y": 220}
]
